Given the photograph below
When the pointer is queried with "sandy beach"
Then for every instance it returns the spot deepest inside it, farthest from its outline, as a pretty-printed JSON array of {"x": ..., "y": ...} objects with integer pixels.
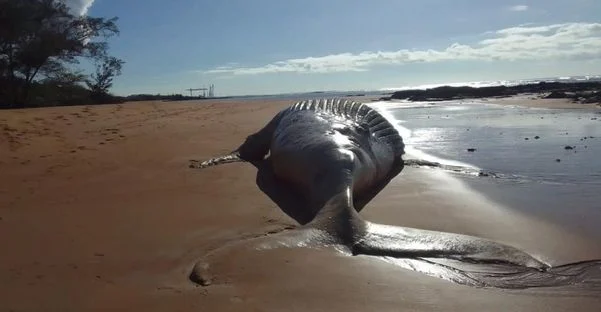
[{"x": 99, "y": 211}]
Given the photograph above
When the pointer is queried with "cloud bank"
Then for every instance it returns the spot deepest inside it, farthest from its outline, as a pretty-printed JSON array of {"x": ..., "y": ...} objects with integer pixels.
[
  {"x": 519, "y": 8},
  {"x": 558, "y": 41},
  {"x": 79, "y": 7}
]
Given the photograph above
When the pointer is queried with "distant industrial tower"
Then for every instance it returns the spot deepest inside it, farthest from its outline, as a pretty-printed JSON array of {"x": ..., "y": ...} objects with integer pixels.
[{"x": 212, "y": 90}]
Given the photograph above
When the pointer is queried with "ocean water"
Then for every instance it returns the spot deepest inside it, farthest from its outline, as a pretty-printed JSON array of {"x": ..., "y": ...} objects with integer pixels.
[
  {"x": 387, "y": 90},
  {"x": 491, "y": 83},
  {"x": 523, "y": 148}
]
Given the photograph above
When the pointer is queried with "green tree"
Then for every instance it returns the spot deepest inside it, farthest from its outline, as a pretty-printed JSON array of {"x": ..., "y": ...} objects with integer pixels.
[
  {"x": 106, "y": 70},
  {"x": 41, "y": 38}
]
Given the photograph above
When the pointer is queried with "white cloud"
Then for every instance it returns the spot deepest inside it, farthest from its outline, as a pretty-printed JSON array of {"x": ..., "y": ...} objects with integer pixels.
[
  {"x": 559, "y": 41},
  {"x": 79, "y": 7},
  {"x": 519, "y": 8}
]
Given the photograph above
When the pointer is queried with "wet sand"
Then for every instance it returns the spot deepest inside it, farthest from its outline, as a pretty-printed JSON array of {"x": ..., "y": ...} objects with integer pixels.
[
  {"x": 534, "y": 100},
  {"x": 99, "y": 211}
]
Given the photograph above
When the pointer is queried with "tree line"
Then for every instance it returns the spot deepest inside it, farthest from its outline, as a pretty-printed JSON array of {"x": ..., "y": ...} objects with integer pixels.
[{"x": 41, "y": 45}]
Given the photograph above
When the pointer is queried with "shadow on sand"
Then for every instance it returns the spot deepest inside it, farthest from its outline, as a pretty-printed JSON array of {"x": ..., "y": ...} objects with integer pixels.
[{"x": 281, "y": 193}]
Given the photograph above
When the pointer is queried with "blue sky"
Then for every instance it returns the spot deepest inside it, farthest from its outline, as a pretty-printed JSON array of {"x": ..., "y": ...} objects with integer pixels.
[{"x": 275, "y": 46}]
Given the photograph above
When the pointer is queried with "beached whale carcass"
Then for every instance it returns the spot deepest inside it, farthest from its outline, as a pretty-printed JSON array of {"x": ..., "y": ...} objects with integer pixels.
[{"x": 340, "y": 154}]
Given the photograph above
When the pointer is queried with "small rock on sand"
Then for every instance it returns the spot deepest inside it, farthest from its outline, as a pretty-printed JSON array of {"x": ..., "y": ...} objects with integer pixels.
[{"x": 201, "y": 275}]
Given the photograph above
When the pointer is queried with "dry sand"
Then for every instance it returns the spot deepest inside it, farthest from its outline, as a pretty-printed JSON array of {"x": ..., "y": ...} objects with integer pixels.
[{"x": 99, "y": 211}]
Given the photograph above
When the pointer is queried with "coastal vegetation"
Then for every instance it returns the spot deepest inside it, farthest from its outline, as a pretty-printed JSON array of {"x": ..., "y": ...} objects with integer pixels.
[{"x": 43, "y": 44}]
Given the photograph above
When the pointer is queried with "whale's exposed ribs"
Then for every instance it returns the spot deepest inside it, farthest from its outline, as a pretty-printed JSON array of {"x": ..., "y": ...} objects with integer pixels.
[{"x": 364, "y": 115}]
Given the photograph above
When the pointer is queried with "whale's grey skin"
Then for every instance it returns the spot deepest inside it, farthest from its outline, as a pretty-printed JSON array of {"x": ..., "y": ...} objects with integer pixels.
[
  {"x": 321, "y": 146},
  {"x": 324, "y": 138},
  {"x": 340, "y": 154}
]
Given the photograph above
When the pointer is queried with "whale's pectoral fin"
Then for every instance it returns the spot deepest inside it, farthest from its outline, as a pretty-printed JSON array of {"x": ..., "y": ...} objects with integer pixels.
[
  {"x": 582, "y": 278},
  {"x": 225, "y": 159},
  {"x": 255, "y": 147},
  {"x": 472, "y": 261},
  {"x": 400, "y": 242}
]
